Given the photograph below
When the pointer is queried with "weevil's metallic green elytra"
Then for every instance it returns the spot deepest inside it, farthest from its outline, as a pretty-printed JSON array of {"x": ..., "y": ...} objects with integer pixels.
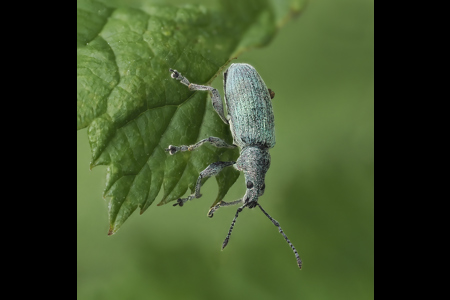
[
  {"x": 250, "y": 116},
  {"x": 249, "y": 107}
]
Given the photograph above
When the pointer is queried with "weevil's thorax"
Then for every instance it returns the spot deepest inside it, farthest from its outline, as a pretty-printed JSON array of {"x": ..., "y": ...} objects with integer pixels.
[{"x": 254, "y": 162}]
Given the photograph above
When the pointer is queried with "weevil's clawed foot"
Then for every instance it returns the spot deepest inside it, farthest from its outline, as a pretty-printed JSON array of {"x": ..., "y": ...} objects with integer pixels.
[
  {"x": 175, "y": 74},
  {"x": 213, "y": 209},
  {"x": 179, "y": 202},
  {"x": 172, "y": 150}
]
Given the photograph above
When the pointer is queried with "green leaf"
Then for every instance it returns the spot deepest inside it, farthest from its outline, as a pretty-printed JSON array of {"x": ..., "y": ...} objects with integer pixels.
[{"x": 132, "y": 108}]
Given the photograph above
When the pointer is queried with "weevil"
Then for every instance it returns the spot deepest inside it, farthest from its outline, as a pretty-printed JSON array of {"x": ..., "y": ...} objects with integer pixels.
[{"x": 251, "y": 120}]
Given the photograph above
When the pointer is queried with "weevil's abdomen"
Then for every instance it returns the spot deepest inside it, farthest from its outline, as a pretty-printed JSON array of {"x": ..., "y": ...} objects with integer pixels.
[{"x": 249, "y": 107}]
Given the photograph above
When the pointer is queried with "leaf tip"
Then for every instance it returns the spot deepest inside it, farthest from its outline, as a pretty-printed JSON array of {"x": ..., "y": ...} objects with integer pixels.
[
  {"x": 111, "y": 231},
  {"x": 93, "y": 164},
  {"x": 163, "y": 201}
]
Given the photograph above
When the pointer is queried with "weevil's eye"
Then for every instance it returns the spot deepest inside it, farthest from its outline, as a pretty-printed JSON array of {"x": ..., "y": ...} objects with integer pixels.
[
  {"x": 263, "y": 187},
  {"x": 249, "y": 184}
]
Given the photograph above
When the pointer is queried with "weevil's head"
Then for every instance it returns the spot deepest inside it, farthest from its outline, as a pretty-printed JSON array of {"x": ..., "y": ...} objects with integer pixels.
[{"x": 254, "y": 162}]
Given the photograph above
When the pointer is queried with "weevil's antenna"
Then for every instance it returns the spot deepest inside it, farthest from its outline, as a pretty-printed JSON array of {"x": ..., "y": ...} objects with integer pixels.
[
  {"x": 232, "y": 225},
  {"x": 299, "y": 261}
]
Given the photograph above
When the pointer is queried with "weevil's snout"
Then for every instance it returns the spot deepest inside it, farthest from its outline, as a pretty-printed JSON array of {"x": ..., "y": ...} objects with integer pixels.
[
  {"x": 255, "y": 189},
  {"x": 252, "y": 204},
  {"x": 257, "y": 186}
]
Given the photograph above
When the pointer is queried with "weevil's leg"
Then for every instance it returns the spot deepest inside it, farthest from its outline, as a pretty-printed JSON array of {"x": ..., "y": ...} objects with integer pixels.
[
  {"x": 211, "y": 170},
  {"x": 222, "y": 204},
  {"x": 215, "y": 96},
  {"x": 275, "y": 222},
  {"x": 215, "y": 99},
  {"x": 219, "y": 143}
]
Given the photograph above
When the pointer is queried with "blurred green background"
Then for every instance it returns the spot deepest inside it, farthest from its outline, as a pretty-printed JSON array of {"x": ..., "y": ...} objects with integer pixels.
[{"x": 320, "y": 187}]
